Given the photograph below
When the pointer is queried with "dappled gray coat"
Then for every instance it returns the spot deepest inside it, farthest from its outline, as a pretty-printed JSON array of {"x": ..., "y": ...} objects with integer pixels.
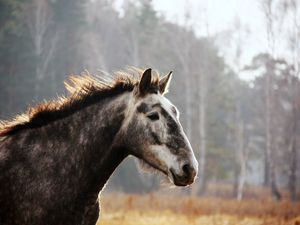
[{"x": 55, "y": 159}]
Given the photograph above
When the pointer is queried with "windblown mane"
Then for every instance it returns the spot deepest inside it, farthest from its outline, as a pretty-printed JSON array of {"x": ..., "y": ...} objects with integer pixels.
[{"x": 84, "y": 90}]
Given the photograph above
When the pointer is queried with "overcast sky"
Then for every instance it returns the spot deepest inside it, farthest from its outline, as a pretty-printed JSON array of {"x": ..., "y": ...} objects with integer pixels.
[
  {"x": 220, "y": 15},
  {"x": 211, "y": 17}
]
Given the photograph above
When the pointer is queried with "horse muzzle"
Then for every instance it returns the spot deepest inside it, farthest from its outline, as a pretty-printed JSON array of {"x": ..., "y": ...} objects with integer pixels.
[{"x": 185, "y": 176}]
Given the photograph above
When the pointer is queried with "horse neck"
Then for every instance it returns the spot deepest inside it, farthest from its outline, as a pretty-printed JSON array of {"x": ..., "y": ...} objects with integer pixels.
[{"x": 90, "y": 137}]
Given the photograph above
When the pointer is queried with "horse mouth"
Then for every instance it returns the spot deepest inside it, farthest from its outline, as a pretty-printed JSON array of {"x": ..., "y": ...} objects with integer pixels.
[
  {"x": 181, "y": 180},
  {"x": 178, "y": 180}
]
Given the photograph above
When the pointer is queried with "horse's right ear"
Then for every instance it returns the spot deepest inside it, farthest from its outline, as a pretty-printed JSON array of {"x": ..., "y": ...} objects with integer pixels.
[
  {"x": 164, "y": 83},
  {"x": 145, "y": 81}
]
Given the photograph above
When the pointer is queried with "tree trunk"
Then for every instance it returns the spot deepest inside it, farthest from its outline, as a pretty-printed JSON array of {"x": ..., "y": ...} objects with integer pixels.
[
  {"x": 267, "y": 152},
  {"x": 235, "y": 181},
  {"x": 242, "y": 160},
  {"x": 202, "y": 128},
  {"x": 270, "y": 173},
  {"x": 293, "y": 155},
  {"x": 295, "y": 111},
  {"x": 274, "y": 189},
  {"x": 38, "y": 19},
  {"x": 241, "y": 155},
  {"x": 292, "y": 172}
]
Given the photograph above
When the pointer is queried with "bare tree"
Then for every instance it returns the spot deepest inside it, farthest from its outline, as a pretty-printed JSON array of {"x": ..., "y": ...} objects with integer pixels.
[
  {"x": 242, "y": 154},
  {"x": 240, "y": 146},
  {"x": 95, "y": 42},
  {"x": 202, "y": 129},
  {"x": 270, "y": 172},
  {"x": 203, "y": 83},
  {"x": 292, "y": 136},
  {"x": 133, "y": 36},
  {"x": 296, "y": 104},
  {"x": 38, "y": 18},
  {"x": 202, "y": 115}
]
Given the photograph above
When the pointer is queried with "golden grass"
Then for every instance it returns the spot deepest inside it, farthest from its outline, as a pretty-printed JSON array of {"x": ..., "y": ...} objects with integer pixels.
[
  {"x": 170, "y": 218},
  {"x": 158, "y": 209}
]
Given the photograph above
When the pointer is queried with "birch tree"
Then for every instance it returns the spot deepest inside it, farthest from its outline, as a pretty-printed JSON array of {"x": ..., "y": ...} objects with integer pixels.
[
  {"x": 290, "y": 13},
  {"x": 38, "y": 18},
  {"x": 296, "y": 103},
  {"x": 270, "y": 173}
]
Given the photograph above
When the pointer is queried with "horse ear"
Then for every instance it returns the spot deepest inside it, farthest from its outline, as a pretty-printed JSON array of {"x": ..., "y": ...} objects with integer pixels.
[
  {"x": 145, "y": 81},
  {"x": 164, "y": 83}
]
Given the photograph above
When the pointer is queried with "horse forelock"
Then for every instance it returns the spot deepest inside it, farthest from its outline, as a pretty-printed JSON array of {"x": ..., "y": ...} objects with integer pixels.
[{"x": 84, "y": 90}]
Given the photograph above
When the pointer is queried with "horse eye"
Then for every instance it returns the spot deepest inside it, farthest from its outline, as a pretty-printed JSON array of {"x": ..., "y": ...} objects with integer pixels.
[{"x": 153, "y": 116}]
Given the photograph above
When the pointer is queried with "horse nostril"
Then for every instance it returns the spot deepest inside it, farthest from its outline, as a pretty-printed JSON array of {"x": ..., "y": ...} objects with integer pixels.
[{"x": 188, "y": 170}]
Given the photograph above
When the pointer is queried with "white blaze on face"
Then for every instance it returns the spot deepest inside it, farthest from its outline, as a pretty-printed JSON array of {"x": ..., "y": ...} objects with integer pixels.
[
  {"x": 159, "y": 156},
  {"x": 166, "y": 158},
  {"x": 168, "y": 106},
  {"x": 161, "y": 152}
]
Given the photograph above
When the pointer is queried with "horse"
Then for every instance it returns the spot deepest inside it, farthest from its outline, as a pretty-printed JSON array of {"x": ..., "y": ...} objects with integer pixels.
[{"x": 57, "y": 157}]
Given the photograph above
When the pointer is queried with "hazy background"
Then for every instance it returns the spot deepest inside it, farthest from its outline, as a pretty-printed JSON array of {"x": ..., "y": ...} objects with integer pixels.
[{"x": 236, "y": 78}]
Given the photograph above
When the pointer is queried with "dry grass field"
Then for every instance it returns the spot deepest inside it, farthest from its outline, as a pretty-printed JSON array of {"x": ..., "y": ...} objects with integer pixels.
[{"x": 165, "y": 209}]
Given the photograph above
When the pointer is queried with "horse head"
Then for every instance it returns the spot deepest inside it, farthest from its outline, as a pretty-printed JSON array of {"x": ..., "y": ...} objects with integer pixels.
[{"x": 153, "y": 133}]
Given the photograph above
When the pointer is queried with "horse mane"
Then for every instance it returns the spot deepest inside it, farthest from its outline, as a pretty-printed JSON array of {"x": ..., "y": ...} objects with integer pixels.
[{"x": 84, "y": 90}]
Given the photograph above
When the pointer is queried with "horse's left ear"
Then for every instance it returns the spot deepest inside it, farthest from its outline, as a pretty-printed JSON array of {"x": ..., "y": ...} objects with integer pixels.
[
  {"x": 145, "y": 81},
  {"x": 164, "y": 83}
]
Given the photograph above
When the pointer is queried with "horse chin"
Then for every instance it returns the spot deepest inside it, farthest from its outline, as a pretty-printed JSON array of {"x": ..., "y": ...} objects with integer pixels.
[{"x": 149, "y": 168}]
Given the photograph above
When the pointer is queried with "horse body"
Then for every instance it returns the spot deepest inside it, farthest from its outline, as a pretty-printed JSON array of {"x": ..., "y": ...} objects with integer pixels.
[
  {"x": 51, "y": 172},
  {"x": 55, "y": 171}
]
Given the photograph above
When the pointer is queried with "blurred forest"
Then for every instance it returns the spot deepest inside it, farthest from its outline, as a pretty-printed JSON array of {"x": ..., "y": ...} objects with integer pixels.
[{"x": 244, "y": 133}]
